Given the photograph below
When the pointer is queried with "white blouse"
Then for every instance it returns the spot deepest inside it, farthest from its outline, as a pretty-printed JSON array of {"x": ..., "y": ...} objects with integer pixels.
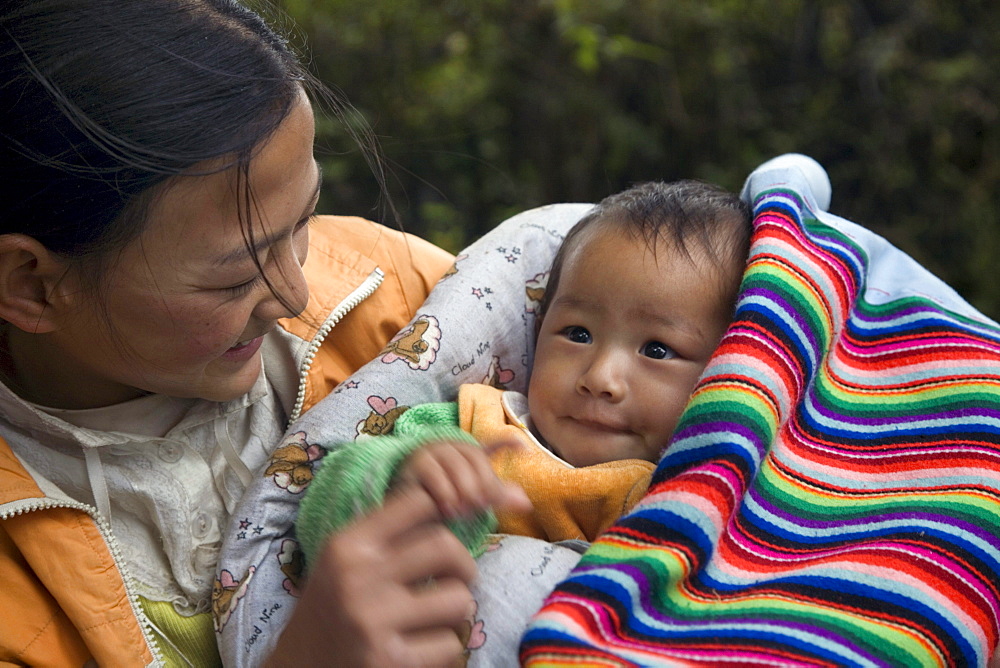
[{"x": 167, "y": 471}]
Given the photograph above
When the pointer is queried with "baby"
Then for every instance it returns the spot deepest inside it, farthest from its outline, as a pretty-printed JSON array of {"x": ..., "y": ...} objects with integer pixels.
[{"x": 639, "y": 295}]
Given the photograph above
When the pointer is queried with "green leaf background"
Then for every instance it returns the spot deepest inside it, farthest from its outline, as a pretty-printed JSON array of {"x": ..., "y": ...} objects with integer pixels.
[{"x": 486, "y": 108}]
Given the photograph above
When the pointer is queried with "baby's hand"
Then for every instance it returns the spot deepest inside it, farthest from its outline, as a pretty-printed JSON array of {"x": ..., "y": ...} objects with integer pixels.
[{"x": 459, "y": 478}]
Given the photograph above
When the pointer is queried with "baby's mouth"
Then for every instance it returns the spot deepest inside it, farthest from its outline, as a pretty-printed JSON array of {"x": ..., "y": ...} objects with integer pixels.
[{"x": 601, "y": 426}]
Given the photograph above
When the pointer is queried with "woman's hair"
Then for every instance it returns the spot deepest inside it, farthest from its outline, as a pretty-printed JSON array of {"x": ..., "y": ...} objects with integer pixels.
[
  {"x": 687, "y": 215},
  {"x": 103, "y": 100}
]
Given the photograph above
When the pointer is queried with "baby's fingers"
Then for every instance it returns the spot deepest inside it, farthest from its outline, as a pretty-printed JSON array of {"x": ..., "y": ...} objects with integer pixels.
[
  {"x": 501, "y": 494},
  {"x": 468, "y": 470},
  {"x": 428, "y": 468},
  {"x": 461, "y": 480}
]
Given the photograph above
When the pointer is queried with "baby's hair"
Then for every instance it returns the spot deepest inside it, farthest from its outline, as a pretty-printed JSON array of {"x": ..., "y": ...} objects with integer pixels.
[{"x": 688, "y": 215}]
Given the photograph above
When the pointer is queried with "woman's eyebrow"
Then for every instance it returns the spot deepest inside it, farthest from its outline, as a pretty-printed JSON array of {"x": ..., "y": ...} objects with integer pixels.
[{"x": 260, "y": 244}]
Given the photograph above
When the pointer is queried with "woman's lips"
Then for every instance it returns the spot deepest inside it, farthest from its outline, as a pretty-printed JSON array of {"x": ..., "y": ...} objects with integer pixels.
[{"x": 244, "y": 350}]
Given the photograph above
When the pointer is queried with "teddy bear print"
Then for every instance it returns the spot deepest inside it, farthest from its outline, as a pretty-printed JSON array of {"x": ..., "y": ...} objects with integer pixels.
[
  {"x": 417, "y": 345},
  {"x": 534, "y": 290},
  {"x": 292, "y": 566},
  {"x": 292, "y": 464},
  {"x": 497, "y": 376},
  {"x": 471, "y": 634},
  {"x": 454, "y": 267},
  {"x": 382, "y": 418},
  {"x": 226, "y": 593}
]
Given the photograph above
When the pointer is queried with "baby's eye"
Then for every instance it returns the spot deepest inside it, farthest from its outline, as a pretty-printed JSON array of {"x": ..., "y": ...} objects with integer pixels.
[
  {"x": 577, "y": 334},
  {"x": 658, "y": 351}
]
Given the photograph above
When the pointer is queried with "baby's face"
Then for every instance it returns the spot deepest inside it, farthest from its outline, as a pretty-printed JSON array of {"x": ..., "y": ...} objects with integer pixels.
[{"x": 621, "y": 346}]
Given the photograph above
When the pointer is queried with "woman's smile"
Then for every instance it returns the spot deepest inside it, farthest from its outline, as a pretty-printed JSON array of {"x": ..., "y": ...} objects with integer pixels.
[{"x": 243, "y": 350}]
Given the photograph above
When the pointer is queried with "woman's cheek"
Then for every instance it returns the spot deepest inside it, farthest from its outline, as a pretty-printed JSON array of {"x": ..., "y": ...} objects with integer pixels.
[{"x": 209, "y": 338}]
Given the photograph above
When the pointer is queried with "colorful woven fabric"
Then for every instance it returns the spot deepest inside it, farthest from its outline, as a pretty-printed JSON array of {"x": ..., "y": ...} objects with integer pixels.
[{"x": 832, "y": 494}]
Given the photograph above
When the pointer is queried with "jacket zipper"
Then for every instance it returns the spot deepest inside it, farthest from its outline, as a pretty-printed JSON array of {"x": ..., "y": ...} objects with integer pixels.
[
  {"x": 361, "y": 293},
  {"x": 26, "y": 506}
]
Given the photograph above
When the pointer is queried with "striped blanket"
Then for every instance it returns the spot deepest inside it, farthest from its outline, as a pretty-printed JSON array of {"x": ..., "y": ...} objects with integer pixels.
[{"x": 832, "y": 493}]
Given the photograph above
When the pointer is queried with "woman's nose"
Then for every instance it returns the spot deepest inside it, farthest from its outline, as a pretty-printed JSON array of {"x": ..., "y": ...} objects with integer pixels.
[
  {"x": 604, "y": 377},
  {"x": 288, "y": 293}
]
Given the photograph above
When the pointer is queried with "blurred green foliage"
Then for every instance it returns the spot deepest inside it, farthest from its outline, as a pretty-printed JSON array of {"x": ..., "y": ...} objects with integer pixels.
[{"x": 486, "y": 108}]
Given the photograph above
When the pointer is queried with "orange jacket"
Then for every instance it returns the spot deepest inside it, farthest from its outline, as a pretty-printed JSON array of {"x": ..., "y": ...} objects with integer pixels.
[
  {"x": 63, "y": 598},
  {"x": 568, "y": 502}
]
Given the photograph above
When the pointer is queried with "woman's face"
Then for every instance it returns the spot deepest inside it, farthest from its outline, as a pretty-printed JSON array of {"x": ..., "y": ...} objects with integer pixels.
[{"x": 185, "y": 300}]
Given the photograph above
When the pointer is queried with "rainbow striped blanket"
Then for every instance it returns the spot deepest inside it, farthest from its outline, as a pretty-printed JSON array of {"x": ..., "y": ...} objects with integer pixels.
[{"x": 832, "y": 494}]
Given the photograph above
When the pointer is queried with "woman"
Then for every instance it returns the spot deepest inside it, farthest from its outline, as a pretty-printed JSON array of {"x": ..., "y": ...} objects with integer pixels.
[{"x": 161, "y": 326}]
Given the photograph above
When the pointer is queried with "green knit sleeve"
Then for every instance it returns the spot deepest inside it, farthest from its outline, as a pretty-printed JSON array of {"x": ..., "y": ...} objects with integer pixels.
[
  {"x": 420, "y": 417},
  {"x": 354, "y": 479}
]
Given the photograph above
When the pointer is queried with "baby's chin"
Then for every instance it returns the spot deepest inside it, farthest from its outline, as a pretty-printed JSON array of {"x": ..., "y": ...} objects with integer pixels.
[
  {"x": 577, "y": 451},
  {"x": 576, "y": 459},
  {"x": 551, "y": 445},
  {"x": 567, "y": 447},
  {"x": 573, "y": 458}
]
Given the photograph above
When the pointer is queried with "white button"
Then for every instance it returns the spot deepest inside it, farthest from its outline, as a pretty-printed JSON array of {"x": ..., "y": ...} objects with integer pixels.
[
  {"x": 201, "y": 525},
  {"x": 170, "y": 452}
]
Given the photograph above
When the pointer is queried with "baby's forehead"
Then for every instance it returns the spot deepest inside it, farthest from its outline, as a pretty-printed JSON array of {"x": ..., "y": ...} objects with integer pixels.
[
  {"x": 607, "y": 247},
  {"x": 660, "y": 243},
  {"x": 719, "y": 245},
  {"x": 718, "y": 270}
]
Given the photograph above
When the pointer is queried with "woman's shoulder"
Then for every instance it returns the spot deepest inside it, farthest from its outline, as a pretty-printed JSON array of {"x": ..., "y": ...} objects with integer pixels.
[
  {"x": 337, "y": 235},
  {"x": 352, "y": 248}
]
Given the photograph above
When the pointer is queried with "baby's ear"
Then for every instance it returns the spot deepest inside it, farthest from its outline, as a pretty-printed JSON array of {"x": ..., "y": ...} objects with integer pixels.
[{"x": 31, "y": 290}]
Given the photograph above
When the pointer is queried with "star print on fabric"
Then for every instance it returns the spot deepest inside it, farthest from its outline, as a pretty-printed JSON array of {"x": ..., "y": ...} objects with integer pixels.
[
  {"x": 257, "y": 530},
  {"x": 349, "y": 385},
  {"x": 489, "y": 306},
  {"x": 244, "y": 523},
  {"x": 511, "y": 258},
  {"x": 477, "y": 293},
  {"x": 488, "y": 291},
  {"x": 501, "y": 250},
  {"x": 241, "y": 535}
]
